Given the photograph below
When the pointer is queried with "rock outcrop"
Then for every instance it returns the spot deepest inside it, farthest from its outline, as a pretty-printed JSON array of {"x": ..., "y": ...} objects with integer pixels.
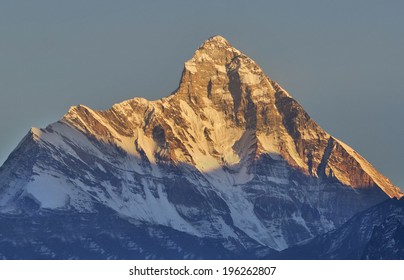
[{"x": 230, "y": 155}]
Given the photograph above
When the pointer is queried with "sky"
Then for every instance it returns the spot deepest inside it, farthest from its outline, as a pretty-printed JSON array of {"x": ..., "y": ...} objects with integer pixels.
[{"x": 342, "y": 60}]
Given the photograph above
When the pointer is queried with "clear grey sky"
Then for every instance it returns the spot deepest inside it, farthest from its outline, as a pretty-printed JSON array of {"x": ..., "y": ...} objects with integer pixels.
[{"x": 342, "y": 60}]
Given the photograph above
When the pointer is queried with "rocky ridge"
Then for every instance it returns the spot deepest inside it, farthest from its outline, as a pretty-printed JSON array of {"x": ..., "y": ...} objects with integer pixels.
[
  {"x": 229, "y": 155},
  {"x": 376, "y": 233}
]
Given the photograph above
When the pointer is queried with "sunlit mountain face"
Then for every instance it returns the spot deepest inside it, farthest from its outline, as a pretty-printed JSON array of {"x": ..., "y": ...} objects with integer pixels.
[{"x": 227, "y": 166}]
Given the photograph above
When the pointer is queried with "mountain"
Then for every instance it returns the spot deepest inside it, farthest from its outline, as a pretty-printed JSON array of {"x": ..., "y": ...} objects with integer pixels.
[
  {"x": 228, "y": 156},
  {"x": 376, "y": 233},
  {"x": 105, "y": 235}
]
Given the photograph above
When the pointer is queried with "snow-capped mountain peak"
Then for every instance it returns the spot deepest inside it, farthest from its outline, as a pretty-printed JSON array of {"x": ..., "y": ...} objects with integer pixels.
[{"x": 229, "y": 155}]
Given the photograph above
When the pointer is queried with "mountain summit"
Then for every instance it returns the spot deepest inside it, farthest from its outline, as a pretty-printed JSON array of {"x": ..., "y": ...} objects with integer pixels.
[{"x": 229, "y": 156}]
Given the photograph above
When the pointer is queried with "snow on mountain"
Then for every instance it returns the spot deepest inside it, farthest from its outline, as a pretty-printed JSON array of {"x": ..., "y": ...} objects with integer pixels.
[
  {"x": 229, "y": 155},
  {"x": 376, "y": 233}
]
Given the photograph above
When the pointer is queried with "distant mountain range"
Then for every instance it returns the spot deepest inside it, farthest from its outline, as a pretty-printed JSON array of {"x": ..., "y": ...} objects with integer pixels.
[{"x": 229, "y": 166}]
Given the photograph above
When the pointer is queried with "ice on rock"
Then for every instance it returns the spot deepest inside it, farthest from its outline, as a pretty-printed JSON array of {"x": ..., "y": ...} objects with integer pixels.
[{"x": 229, "y": 155}]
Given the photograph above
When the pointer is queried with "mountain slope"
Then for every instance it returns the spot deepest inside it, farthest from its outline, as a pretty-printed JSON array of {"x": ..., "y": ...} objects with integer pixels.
[
  {"x": 105, "y": 235},
  {"x": 376, "y": 233},
  {"x": 229, "y": 155}
]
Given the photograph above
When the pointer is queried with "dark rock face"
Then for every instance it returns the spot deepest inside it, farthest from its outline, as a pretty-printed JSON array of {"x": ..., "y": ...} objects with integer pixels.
[
  {"x": 105, "y": 235},
  {"x": 376, "y": 233},
  {"x": 386, "y": 241},
  {"x": 230, "y": 156}
]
